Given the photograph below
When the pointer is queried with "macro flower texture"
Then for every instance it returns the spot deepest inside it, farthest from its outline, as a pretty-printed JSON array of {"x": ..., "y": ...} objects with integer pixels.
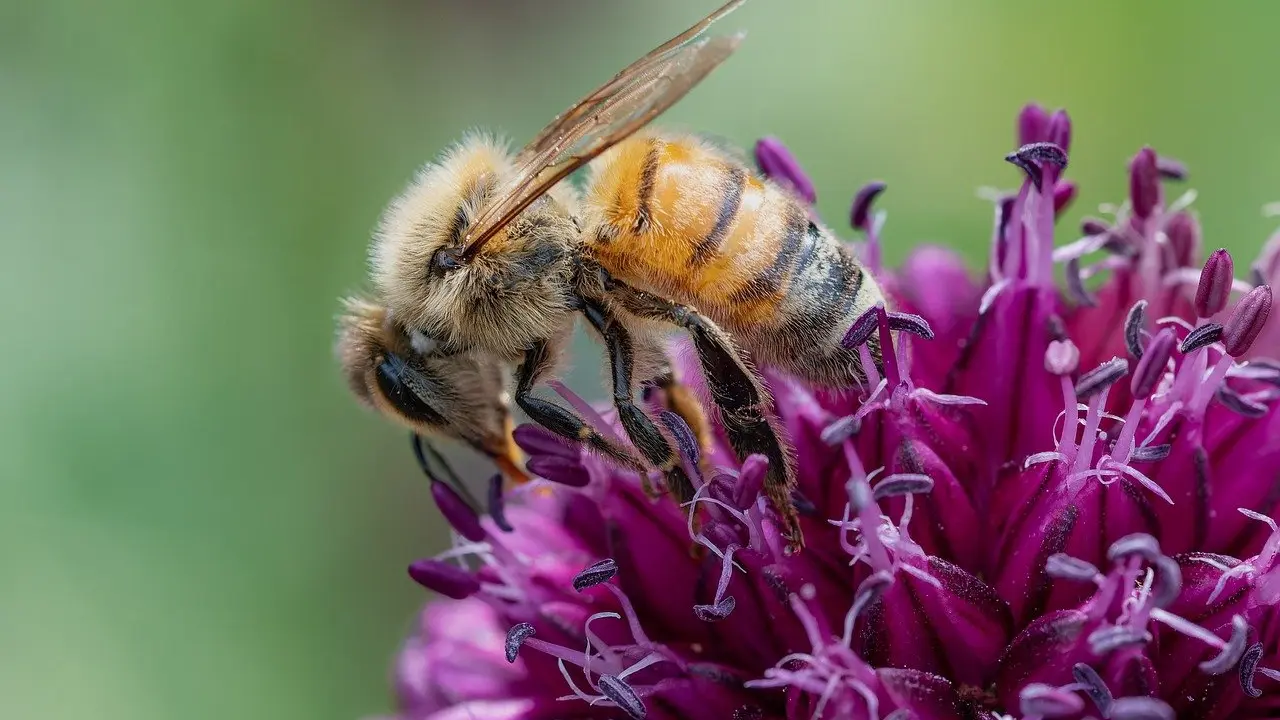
[{"x": 1054, "y": 499}]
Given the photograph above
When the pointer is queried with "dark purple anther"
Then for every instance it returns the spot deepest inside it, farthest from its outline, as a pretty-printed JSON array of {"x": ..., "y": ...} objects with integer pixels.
[
  {"x": 1094, "y": 226},
  {"x": 1151, "y": 453},
  {"x": 1031, "y": 158},
  {"x": 686, "y": 443},
  {"x": 860, "y": 214},
  {"x": 1151, "y": 368},
  {"x": 1171, "y": 169},
  {"x": 597, "y": 573},
  {"x": 515, "y": 638},
  {"x": 1244, "y": 325},
  {"x": 1183, "y": 232},
  {"x": 862, "y": 328},
  {"x": 441, "y": 577},
  {"x": 914, "y": 324},
  {"x": 1144, "y": 183},
  {"x": 622, "y": 695},
  {"x": 716, "y": 612},
  {"x": 1046, "y": 701},
  {"x": 536, "y": 440},
  {"x": 778, "y": 164},
  {"x": 497, "y": 504},
  {"x": 1215, "y": 284},
  {"x": 1134, "y": 324},
  {"x": 1249, "y": 666},
  {"x": 1094, "y": 687},
  {"x": 1239, "y": 404},
  {"x": 1075, "y": 284},
  {"x": 1100, "y": 378},
  {"x": 460, "y": 516},
  {"x": 1033, "y": 124},
  {"x": 1202, "y": 336},
  {"x": 559, "y": 470}
]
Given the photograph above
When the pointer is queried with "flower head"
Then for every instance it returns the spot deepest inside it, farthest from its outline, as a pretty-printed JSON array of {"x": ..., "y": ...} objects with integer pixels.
[{"x": 1047, "y": 504}]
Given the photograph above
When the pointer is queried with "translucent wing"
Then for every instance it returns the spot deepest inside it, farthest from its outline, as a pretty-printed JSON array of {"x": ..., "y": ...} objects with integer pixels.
[{"x": 602, "y": 119}]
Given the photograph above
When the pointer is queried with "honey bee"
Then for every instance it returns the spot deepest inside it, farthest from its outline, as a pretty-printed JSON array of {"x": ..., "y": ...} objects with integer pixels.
[{"x": 490, "y": 253}]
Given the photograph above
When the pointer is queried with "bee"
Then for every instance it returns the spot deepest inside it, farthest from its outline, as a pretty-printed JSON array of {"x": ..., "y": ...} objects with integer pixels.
[{"x": 490, "y": 252}]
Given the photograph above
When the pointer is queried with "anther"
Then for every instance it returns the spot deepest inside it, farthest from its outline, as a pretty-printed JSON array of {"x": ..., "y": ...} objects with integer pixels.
[
  {"x": 1215, "y": 284},
  {"x": 1140, "y": 544},
  {"x": 1248, "y": 666},
  {"x": 597, "y": 573},
  {"x": 1183, "y": 232},
  {"x": 1108, "y": 639},
  {"x": 1134, "y": 323},
  {"x": 441, "y": 577},
  {"x": 1041, "y": 700},
  {"x": 914, "y": 324},
  {"x": 1027, "y": 157},
  {"x": 559, "y": 470},
  {"x": 497, "y": 504},
  {"x": 1065, "y": 567},
  {"x": 1202, "y": 336},
  {"x": 1075, "y": 284},
  {"x": 686, "y": 443},
  {"x": 862, "y": 328},
  {"x": 902, "y": 484},
  {"x": 1094, "y": 226},
  {"x": 750, "y": 480},
  {"x": 841, "y": 429},
  {"x": 622, "y": 695},
  {"x": 1239, "y": 404},
  {"x": 1100, "y": 378},
  {"x": 1247, "y": 321},
  {"x": 1097, "y": 690},
  {"x": 870, "y": 591},
  {"x": 515, "y": 638},
  {"x": 1232, "y": 652},
  {"x": 778, "y": 164},
  {"x": 1171, "y": 169},
  {"x": 1151, "y": 367},
  {"x": 1151, "y": 453},
  {"x": 1144, "y": 183},
  {"x": 460, "y": 516},
  {"x": 717, "y": 611},
  {"x": 536, "y": 440},
  {"x": 860, "y": 213},
  {"x": 1141, "y": 707},
  {"x": 1168, "y": 581}
]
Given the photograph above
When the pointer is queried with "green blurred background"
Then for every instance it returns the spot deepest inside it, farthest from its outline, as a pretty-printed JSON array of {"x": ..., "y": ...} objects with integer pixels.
[{"x": 195, "y": 519}]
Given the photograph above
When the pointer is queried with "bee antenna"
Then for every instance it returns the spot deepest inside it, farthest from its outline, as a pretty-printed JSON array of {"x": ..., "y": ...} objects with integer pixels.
[{"x": 422, "y": 448}]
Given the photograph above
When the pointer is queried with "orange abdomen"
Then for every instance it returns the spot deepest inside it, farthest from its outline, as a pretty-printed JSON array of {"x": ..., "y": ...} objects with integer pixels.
[{"x": 675, "y": 216}]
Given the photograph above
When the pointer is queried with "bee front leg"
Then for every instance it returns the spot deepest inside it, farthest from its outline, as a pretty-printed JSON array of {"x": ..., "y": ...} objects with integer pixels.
[
  {"x": 741, "y": 399},
  {"x": 565, "y": 423},
  {"x": 639, "y": 426}
]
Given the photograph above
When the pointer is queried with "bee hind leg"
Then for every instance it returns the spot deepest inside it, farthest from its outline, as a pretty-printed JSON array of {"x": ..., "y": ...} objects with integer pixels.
[
  {"x": 639, "y": 426},
  {"x": 742, "y": 401},
  {"x": 558, "y": 420}
]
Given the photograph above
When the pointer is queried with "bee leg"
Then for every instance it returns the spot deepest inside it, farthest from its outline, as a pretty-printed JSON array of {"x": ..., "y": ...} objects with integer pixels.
[
  {"x": 743, "y": 403},
  {"x": 557, "y": 419},
  {"x": 679, "y": 399},
  {"x": 640, "y": 428}
]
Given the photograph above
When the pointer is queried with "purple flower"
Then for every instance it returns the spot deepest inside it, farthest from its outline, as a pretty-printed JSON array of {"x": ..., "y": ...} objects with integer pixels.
[{"x": 1047, "y": 504}]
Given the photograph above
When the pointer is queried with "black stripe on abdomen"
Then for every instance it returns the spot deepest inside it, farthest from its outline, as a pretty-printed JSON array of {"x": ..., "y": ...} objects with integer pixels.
[
  {"x": 648, "y": 178},
  {"x": 732, "y": 185},
  {"x": 798, "y": 243}
]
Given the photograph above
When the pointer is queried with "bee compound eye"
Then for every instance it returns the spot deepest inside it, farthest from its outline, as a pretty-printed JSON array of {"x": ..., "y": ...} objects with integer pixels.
[{"x": 446, "y": 260}]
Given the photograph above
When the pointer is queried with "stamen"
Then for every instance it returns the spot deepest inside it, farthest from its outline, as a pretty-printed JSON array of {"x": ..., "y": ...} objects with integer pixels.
[
  {"x": 1106, "y": 640},
  {"x": 686, "y": 444},
  {"x": 594, "y": 574},
  {"x": 497, "y": 504},
  {"x": 1239, "y": 404},
  {"x": 444, "y": 578},
  {"x": 1044, "y": 153},
  {"x": 1232, "y": 651},
  {"x": 460, "y": 516},
  {"x": 722, "y": 605},
  {"x": 778, "y": 164},
  {"x": 1247, "y": 321},
  {"x": 1202, "y": 336},
  {"x": 1144, "y": 183},
  {"x": 1171, "y": 169},
  {"x": 860, "y": 213},
  {"x": 750, "y": 480},
  {"x": 1248, "y": 667},
  {"x": 1091, "y": 226},
  {"x": 1075, "y": 284},
  {"x": 1140, "y": 544},
  {"x": 1062, "y": 357},
  {"x": 1141, "y": 708},
  {"x": 841, "y": 429},
  {"x": 1151, "y": 367},
  {"x": 1065, "y": 567},
  {"x": 535, "y": 440},
  {"x": 1151, "y": 453},
  {"x": 559, "y": 470},
  {"x": 1134, "y": 324},
  {"x": 515, "y": 639},
  {"x": 1041, "y": 700},
  {"x": 869, "y": 592},
  {"x": 1093, "y": 686},
  {"x": 1101, "y": 378},
  {"x": 861, "y": 330},
  {"x": 902, "y": 484},
  {"x": 914, "y": 324},
  {"x": 622, "y": 695},
  {"x": 1215, "y": 284}
]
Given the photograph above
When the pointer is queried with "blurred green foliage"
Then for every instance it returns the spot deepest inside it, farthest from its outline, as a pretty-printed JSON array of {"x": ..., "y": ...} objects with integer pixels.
[{"x": 195, "y": 520}]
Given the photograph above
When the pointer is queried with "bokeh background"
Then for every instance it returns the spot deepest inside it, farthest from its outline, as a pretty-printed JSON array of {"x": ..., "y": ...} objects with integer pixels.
[{"x": 195, "y": 520}]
